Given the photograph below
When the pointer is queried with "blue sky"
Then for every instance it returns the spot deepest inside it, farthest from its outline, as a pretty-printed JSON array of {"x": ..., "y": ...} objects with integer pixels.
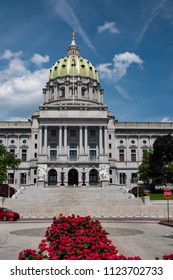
[{"x": 130, "y": 43}]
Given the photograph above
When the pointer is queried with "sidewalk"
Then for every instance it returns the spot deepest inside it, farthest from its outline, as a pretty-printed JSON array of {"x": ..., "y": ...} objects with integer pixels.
[{"x": 166, "y": 222}]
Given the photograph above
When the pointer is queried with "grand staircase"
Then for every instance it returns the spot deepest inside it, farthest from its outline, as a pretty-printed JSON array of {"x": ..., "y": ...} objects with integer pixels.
[{"x": 95, "y": 201}]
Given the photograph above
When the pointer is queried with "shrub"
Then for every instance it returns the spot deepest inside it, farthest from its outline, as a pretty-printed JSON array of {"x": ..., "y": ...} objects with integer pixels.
[
  {"x": 6, "y": 190},
  {"x": 137, "y": 191}
]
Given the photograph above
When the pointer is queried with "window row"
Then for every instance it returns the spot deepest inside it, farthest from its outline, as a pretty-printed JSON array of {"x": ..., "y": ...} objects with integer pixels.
[
  {"x": 72, "y": 154},
  {"x": 132, "y": 155}
]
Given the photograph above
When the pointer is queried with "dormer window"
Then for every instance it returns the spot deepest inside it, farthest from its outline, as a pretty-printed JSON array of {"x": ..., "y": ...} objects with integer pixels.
[
  {"x": 83, "y": 66},
  {"x": 63, "y": 66}
]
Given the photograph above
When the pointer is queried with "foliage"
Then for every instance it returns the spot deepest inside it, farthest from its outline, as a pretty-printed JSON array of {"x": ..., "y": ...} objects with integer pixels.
[
  {"x": 144, "y": 171},
  {"x": 6, "y": 190},
  {"x": 7, "y": 160},
  {"x": 74, "y": 238},
  {"x": 162, "y": 155},
  {"x": 138, "y": 192}
]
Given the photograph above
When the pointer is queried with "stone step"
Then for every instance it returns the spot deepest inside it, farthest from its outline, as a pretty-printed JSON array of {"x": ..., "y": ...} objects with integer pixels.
[{"x": 94, "y": 201}]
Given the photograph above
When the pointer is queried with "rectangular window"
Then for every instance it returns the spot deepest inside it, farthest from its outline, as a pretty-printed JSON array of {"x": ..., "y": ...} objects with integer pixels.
[
  {"x": 92, "y": 133},
  {"x": 73, "y": 133},
  {"x": 12, "y": 151},
  {"x": 133, "y": 155},
  {"x": 73, "y": 145},
  {"x": 92, "y": 145},
  {"x": 109, "y": 136},
  {"x": 73, "y": 154},
  {"x": 35, "y": 155},
  {"x": 24, "y": 155},
  {"x": 110, "y": 155},
  {"x": 35, "y": 145},
  {"x": 23, "y": 178},
  {"x": 110, "y": 180},
  {"x": 92, "y": 154},
  {"x": 10, "y": 178},
  {"x": 35, "y": 171},
  {"x": 35, "y": 180},
  {"x": 53, "y": 154},
  {"x": 35, "y": 136},
  {"x": 53, "y": 133},
  {"x": 122, "y": 178},
  {"x": 121, "y": 155},
  {"x": 134, "y": 178},
  {"x": 110, "y": 171},
  {"x": 110, "y": 146}
]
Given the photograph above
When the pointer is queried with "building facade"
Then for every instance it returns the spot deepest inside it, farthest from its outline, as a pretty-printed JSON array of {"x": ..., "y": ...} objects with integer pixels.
[{"x": 73, "y": 140}]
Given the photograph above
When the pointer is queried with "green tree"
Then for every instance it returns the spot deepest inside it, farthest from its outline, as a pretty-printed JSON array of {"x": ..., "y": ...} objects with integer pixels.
[
  {"x": 144, "y": 172},
  {"x": 168, "y": 172},
  {"x": 161, "y": 157},
  {"x": 7, "y": 160}
]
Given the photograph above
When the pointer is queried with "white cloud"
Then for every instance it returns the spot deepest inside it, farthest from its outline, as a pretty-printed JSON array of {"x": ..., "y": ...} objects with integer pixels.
[
  {"x": 118, "y": 68},
  {"x": 39, "y": 59},
  {"x": 166, "y": 119},
  {"x": 63, "y": 9},
  {"x": 108, "y": 26},
  {"x": 123, "y": 61},
  {"x": 123, "y": 92},
  {"x": 8, "y": 54},
  {"x": 105, "y": 70},
  {"x": 20, "y": 89}
]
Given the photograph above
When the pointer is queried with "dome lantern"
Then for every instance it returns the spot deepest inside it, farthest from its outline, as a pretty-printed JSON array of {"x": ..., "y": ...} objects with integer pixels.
[{"x": 73, "y": 48}]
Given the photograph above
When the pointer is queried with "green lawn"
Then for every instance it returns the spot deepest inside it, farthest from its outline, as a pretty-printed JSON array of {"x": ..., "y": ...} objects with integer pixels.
[{"x": 157, "y": 196}]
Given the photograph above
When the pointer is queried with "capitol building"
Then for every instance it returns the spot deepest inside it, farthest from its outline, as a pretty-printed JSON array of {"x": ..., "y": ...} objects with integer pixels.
[{"x": 73, "y": 139}]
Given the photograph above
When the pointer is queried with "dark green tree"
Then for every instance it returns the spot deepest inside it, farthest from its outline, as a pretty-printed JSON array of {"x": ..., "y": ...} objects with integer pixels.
[
  {"x": 7, "y": 160},
  {"x": 161, "y": 157},
  {"x": 144, "y": 172}
]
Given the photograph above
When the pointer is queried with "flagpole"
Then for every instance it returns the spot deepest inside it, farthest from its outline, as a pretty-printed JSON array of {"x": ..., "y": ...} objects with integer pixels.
[{"x": 73, "y": 82}]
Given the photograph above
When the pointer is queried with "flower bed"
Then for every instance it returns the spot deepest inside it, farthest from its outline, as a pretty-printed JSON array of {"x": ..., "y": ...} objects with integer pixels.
[{"x": 75, "y": 238}]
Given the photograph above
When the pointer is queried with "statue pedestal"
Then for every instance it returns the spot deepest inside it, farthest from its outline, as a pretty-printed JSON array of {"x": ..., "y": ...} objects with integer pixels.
[
  {"x": 104, "y": 175},
  {"x": 41, "y": 184},
  {"x": 104, "y": 184}
]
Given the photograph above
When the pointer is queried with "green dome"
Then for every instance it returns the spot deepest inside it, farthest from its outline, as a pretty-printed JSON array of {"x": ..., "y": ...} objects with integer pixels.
[{"x": 73, "y": 65}]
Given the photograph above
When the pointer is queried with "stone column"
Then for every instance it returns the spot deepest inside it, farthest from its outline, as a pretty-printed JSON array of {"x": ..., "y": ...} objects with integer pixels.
[
  {"x": 65, "y": 140},
  {"x": 45, "y": 140},
  {"x": 40, "y": 139},
  {"x": 80, "y": 140},
  {"x": 106, "y": 140},
  {"x": 86, "y": 140},
  {"x": 60, "y": 139},
  {"x": 100, "y": 140}
]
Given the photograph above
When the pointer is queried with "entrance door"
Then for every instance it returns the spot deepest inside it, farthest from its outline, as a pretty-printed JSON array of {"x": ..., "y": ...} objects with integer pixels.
[
  {"x": 52, "y": 177},
  {"x": 73, "y": 177}
]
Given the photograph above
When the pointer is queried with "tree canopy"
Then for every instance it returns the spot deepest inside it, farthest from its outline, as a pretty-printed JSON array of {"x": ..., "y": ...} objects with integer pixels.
[
  {"x": 157, "y": 164},
  {"x": 161, "y": 156},
  {"x": 7, "y": 160},
  {"x": 144, "y": 171}
]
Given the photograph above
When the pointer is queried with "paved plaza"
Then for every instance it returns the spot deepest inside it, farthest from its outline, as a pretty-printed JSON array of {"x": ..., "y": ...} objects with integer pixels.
[{"x": 145, "y": 238}]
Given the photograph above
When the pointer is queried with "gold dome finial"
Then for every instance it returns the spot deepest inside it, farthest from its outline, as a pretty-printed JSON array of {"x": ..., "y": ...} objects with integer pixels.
[{"x": 73, "y": 35}]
